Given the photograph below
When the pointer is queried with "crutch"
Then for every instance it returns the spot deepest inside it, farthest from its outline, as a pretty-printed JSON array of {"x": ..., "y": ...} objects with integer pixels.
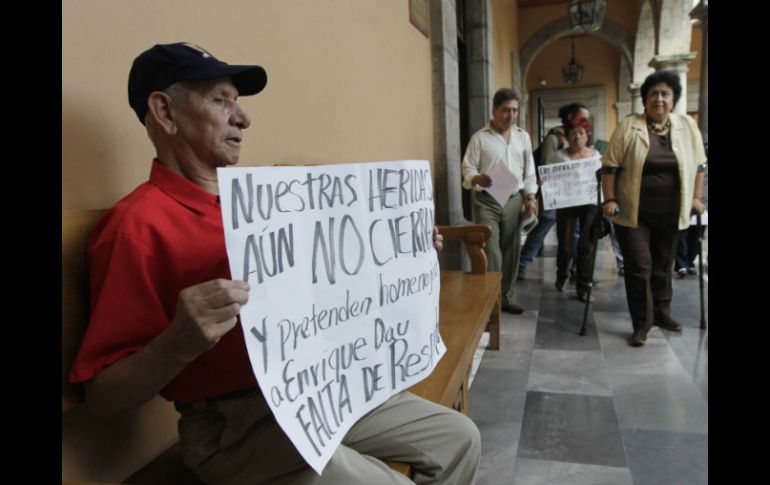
[
  {"x": 598, "y": 220},
  {"x": 700, "y": 270}
]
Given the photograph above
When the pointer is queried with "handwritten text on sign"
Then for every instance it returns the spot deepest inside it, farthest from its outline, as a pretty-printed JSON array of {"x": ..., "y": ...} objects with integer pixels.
[
  {"x": 569, "y": 184},
  {"x": 343, "y": 307}
]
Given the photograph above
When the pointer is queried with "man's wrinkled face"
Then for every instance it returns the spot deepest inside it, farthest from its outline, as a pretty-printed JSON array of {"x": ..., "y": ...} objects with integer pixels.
[
  {"x": 504, "y": 116},
  {"x": 211, "y": 122}
]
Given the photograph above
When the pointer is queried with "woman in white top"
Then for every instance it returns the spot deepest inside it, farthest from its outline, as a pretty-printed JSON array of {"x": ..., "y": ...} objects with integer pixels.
[{"x": 578, "y": 130}]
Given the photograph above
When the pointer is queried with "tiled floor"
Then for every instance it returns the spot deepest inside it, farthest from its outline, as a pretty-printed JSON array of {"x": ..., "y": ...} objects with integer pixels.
[{"x": 557, "y": 408}]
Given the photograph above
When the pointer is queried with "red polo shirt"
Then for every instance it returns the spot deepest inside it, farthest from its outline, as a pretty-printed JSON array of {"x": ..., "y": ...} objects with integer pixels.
[{"x": 163, "y": 237}]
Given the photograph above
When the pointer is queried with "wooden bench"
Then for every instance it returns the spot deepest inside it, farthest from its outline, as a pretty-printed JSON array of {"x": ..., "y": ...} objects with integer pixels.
[{"x": 469, "y": 305}]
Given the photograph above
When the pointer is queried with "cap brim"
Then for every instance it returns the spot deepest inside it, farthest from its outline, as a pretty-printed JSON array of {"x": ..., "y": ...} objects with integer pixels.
[{"x": 248, "y": 80}]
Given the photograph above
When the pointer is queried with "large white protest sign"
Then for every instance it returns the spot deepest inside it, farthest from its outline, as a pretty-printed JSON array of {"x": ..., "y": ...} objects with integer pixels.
[
  {"x": 343, "y": 307},
  {"x": 569, "y": 184}
]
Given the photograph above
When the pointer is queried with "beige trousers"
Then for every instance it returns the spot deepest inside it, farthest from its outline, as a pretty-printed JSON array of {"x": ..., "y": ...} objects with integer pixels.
[
  {"x": 504, "y": 246},
  {"x": 238, "y": 441}
]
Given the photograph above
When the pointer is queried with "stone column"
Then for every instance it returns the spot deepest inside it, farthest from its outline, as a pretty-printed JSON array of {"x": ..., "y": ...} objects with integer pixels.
[
  {"x": 644, "y": 45},
  {"x": 677, "y": 63},
  {"x": 636, "y": 99},
  {"x": 701, "y": 12},
  {"x": 624, "y": 102},
  {"x": 446, "y": 127},
  {"x": 446, "y": 112},
  {"x": 478, "y": 34}
]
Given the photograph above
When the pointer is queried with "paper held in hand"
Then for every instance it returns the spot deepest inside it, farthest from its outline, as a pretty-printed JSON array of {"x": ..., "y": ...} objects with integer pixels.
[
  {"x": 504, "y": 183},
  {"x": 343, "y": 307}
]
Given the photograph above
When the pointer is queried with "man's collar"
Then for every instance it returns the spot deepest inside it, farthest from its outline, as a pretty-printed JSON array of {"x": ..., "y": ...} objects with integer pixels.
[
  {"x": 491, "y": 127},
  {"x": 182, "y": 190}
]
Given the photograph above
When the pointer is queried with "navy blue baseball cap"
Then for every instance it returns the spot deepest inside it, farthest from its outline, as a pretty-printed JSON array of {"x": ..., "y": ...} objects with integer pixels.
[{"x": 164, "y": 64}]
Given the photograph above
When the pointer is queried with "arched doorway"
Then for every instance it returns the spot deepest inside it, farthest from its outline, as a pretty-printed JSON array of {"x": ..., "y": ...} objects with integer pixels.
[{"x": 610, "y": 32}]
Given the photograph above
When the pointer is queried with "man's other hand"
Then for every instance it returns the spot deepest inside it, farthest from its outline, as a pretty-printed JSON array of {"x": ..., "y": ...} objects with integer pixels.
[{"x": 530, "y": 206}]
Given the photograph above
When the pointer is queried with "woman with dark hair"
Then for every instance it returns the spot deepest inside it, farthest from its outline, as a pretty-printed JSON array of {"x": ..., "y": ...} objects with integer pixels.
[
  {"x": 577, "y": 130},
  {"x": 652, "y": 177}
]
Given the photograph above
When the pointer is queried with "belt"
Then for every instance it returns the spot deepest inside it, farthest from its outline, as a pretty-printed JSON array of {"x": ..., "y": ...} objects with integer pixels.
[{"x": 205, "y": 403}]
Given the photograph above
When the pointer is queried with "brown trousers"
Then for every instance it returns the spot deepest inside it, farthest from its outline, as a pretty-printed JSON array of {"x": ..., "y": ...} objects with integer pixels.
[
  {"x": 649, "y": 251},
  {"x": 566, "y": 219}
]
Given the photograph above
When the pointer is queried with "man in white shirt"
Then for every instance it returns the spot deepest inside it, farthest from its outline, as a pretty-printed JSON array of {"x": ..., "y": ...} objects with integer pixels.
[{"x": 502, "y": 142}]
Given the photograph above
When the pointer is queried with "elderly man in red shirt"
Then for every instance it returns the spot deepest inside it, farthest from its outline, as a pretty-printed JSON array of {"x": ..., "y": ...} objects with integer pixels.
[{"x": 164, "y": 307}]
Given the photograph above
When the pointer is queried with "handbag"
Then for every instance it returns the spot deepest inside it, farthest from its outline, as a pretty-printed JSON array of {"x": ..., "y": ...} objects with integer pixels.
[{"x": 602, "y": 225}]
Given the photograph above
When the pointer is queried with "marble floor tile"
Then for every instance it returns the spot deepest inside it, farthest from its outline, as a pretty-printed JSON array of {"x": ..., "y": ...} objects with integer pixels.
[
  {"x": 571, "y": 427},
  {"x": 498, "y": 395},
  {"x": 567, "y": 371},
  {"x": 542, "y": 472},
  {"x": 685, "y": 303},
  {"x": 610, "y": 297},
  {"x": 527, "y": 294},
  {"x": 522, "y": 326},
  {"x": 512, "y": 355},
  {"x": 559, "y": 323},
  {"x": 691, "y": 348},
  {"x": 659, "y": 457},
  {"x": 659, "y": 402},
  {"x": 499, "y": 446}
]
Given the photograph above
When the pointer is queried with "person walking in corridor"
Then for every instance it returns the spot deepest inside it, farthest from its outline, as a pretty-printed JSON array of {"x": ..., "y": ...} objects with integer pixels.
[
  {"x": 501, "y": 141},
  {"x": 652, "y": 178},
  {"x": 548, "y": 150}
]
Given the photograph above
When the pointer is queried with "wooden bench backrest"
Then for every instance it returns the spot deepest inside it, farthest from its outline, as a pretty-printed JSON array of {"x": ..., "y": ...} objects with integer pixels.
[
  {"x": 76, "y": 226},
  {"x": 475, "y": 237}
]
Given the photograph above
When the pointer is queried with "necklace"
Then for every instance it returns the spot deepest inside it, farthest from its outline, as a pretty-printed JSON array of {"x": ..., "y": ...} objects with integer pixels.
[{"x": 657, "y": 127}]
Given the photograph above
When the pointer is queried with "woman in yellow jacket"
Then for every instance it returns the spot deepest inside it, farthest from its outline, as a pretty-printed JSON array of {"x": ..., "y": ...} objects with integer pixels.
[{"x": 652, "y": 180}]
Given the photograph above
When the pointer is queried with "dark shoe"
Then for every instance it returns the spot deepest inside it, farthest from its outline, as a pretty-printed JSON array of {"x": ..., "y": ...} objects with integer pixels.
[
  {"x": 681, "y": 272},
  {"x": 560, "y": 283},
  {"x": 583, "y": 295},
  {"x": 638, "y": 338},
  {"x": 513, "y": 308},
  {"x": 522, "y": 273},
  {"x": 667, "y": 323},
  {"x": 692, "y": 270}
]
